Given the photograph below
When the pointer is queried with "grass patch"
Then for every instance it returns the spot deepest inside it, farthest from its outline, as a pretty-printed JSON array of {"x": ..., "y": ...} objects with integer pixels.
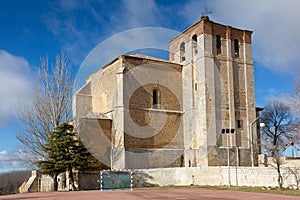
[{"x": 234, "y": 188}]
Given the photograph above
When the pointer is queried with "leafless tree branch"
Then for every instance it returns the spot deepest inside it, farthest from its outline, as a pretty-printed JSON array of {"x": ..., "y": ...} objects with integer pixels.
[{"x": 51, "y": 105}]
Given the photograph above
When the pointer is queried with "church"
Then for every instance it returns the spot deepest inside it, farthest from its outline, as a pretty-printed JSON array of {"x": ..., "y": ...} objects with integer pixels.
[{"x": 194, "y": 110}]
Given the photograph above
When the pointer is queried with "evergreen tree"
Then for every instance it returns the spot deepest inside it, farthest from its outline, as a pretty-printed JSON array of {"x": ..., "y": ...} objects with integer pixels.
[{"x": 65, "y": 152}]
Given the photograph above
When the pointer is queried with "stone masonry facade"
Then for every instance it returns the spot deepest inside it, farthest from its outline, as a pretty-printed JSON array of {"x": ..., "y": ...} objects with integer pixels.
[{"x": 190, "y": 111}]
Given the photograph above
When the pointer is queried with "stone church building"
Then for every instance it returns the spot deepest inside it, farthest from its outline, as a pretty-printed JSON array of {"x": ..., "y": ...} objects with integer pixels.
[{"x": 194, "y": 109}]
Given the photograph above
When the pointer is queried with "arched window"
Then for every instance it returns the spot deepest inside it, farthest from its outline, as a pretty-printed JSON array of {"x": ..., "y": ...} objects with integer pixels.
[
  {"x": 236, "y": 48},
  {"x": 194, "y": 44},
  {"x": 218, "y": 44},
  {"x": 182, "y": 52}
]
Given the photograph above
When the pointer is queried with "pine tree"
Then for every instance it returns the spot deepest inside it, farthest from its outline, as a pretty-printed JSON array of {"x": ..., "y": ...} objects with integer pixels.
[{"x": 65, "y": 152}]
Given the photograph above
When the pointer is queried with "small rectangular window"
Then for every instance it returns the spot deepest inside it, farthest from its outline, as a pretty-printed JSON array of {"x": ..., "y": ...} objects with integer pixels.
[
  {"x": 240, "y": 124},
  {"x": 155, "y": 97},
  {"x": 223, "y": 131},
  {"x": 227, "y": 130},
  {"x": 218, "y": 44},
  {"x": 182, "y": 52},
  {"x": 232, "y": 130},
  {"x": 236, "y": 48},
  {"x": 196, "y": 86}
]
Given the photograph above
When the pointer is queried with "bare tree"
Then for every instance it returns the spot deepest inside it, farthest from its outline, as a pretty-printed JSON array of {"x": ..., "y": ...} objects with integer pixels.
[
  {"x": 11, "y": 181},
  {"x": 295, "y": 171},
  {"x": 51, "y": 106},
  {"x": 278, "y": 132},
  {"x": 277, "y": 161},
  {"x": 279, "y": 124},
  {"x": 293, "y": 100}
]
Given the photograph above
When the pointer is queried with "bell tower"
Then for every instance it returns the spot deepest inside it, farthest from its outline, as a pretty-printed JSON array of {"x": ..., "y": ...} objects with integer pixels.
[{"x": 218, "y": 93}]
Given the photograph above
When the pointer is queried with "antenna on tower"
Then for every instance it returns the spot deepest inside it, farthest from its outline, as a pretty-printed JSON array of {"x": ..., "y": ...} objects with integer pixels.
[{"x": 205, "y": 13}]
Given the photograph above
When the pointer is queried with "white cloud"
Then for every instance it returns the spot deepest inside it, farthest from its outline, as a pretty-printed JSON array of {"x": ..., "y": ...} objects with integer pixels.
[
  {"x": 15, "y": 85},
  {"x": 3, "y": 154},
  {"x": 141, "y": 13},
  {"x": 275, "y": 24},
  {"x": 121, "y": 43},
  {"x": 68, "y": 5},
  {"x": 11, "y": 160},
  {"x": 271, "y": 94},
  {"x": 79, "y": 33}
]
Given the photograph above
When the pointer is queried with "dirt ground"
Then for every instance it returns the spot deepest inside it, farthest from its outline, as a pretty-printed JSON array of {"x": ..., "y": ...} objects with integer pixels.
[{"x": 156, "y": 194}]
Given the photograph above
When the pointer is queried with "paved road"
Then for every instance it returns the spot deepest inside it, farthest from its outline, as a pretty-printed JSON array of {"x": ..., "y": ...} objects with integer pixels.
[{"x": 155, "y": 194}]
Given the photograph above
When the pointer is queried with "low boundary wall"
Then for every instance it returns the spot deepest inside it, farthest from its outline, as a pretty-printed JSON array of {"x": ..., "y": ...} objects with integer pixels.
[{"x": 239, "y": 176}]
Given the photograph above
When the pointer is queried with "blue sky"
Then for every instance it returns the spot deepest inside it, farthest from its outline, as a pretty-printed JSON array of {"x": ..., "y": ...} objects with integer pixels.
[{"x": 33, "y": 29}]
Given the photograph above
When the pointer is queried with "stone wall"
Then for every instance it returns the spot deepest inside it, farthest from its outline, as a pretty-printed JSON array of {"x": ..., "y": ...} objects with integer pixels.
[
  {"x": 45, "y": 183},
  {"x": 96, "y": 135},
  {"x": 89, "y": 180},
  {"x": 153, "y": 135},
  {"x": 82, "y": 103},
  {"x": 218, "y": 95},
  {"x": 184, "y": 176},
  {"x": 239, "y": 176},
  {"x": 218, "y": 156},
  {"x": 104, "y": 87}
]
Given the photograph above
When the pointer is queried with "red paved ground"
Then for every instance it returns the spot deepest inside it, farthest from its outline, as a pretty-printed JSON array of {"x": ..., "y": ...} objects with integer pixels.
[{"x": 172, "y": 194}]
